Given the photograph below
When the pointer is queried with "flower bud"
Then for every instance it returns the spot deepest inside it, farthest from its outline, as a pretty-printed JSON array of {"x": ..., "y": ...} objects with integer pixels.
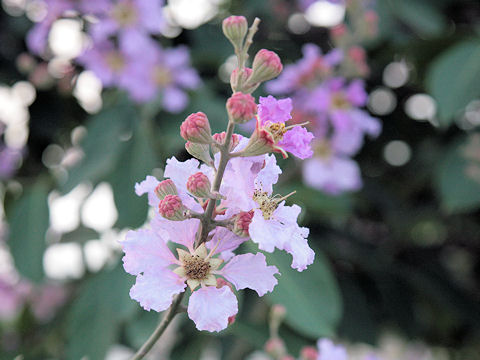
[
  {"x": 338, "y": 31},
  {"x": 278, "y": 311},
  {"x": 220, "y": 138},
  {"x": 196, "y": 128},
  {"x": 261, "y": 142},
  {"x": 242, "y": 223},
  {"x": 266, "y": 66},
  {"x": 357, "y": 54},
  {"x": 239, "y": 81},
  {"x": 25, "y": 63},
  {"x": 275, "y": 347},
  {"x": 235, "y": 28},
  {"x": 308, "y": 353},
  {"x": 164, "y": 188},
  {"x": 171, "y": 208},
  {"x": 199, "y": 185},
  {"x": 241, "y": 107},
  {"x": 200, "y": 151}
]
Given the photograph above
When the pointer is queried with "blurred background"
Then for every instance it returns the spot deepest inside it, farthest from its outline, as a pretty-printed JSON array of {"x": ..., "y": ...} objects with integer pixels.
[{"x": 396, "y": 230}]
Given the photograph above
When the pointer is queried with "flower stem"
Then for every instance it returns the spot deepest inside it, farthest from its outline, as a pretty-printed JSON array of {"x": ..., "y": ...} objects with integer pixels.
[{"x": 168, "y": 317}]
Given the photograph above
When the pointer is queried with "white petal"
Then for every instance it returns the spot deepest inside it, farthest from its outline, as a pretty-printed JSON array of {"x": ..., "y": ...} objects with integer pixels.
[
  {"x": 251, "y": 271},
  {"x": 210, "y": 307}
]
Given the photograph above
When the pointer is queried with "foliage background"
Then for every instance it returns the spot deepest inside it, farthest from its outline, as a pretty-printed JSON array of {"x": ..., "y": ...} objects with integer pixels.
[{"x": 400, "y": 255}]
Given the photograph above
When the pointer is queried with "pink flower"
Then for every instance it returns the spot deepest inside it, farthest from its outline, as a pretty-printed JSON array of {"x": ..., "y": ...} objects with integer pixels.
[
  {"x": 327, "y": 350},
  {"x": 161, "y": 275},
  {"x": 271, "y": 134}
]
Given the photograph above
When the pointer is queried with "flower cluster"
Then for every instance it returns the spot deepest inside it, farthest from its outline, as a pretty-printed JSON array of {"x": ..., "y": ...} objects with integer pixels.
[
  {"x": 332, "y": 106},
  {"x": 206, "y": 211},
  {"x": 121, "y": 51}
]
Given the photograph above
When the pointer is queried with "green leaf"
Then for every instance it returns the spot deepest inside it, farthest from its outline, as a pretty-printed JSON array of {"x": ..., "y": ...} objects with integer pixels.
[
  {"x": 95, "y": 316},
  {"x": 102, "y": 145},
  {"x": 136, "y": 160},
  {"x": 458, "y": 193},
  {"x": 29, "y": 219},
  {"x": 423, "y": 18},
  {"x": 453, "y": 78},
  {"x": 311, "y": 297}
]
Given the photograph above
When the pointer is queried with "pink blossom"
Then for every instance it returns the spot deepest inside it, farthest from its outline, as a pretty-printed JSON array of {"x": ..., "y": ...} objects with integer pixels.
[{"x": 161, "y": 275}]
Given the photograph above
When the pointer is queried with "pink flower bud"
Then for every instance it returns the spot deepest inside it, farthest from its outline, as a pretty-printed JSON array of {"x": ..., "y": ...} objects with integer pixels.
[
  {"x": 261, "y": 142},
  {"x": 199, "y": 185},
  {"x": 171, "y": 208},
  {"x": 164, "y": 188},
  {"x": 275, "y": 347},
  {"x": 200, "y": 151},
  {"x": 242, "y": 223},
  {"x": 25, "y": 63},
  {"x": 239, "y": 81},
  {"x": 357, "y": 54},
  {"x": 241, "y": 107},
  {"x": 196, "y": 128},
  {"x": 338, "y": 31},
  {"x": 231, "y": 319},
  {"x": 220, "y": 138},
  {"x": 287, "y": 357},
  {"x": 309, "y": 353},
  {"x": 235, "y": 28},
  {"x": 266, "y": 66}
]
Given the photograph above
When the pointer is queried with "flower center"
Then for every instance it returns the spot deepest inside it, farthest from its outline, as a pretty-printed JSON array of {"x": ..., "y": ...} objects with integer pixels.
[
  {"x": 277, "y": 130},
  {"x": 115, "y": 61},
  {"x": 124, "y": 14},
  {"x": 267, "y": 204},
  {"x": 195, "y": 267},
  {"x": 323, "y": 149},
  {"x": 162, "y": 76},
  {"x": 339, "y": 102}
]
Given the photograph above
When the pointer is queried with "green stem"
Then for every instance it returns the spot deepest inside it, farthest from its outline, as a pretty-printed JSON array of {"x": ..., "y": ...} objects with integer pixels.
[{"x": 169, "y": 315}]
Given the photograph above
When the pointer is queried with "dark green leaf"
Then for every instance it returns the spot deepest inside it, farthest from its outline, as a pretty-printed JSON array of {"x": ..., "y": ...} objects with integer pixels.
[
  {"x": 311, "y": 297},
  {"x": 29, "y": 220},
  {"x": 423, "y": 18},
  {"x": 101, "y": 145},
  {"x": 453, "y": 78},
  {"x": 458, "y": 192},
  {"x": 95, "y": 316},
  {"x": 136, "y": 160}
]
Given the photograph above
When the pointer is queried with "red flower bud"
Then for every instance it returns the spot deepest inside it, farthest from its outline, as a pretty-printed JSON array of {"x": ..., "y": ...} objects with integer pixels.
[
  {"x": 220, "y": 137},
  {"x": 164, "y": 188},
  {"x": 242, "y": 223},
  {"x": 196, "y": 128},
  {"x": 239, "y": 81},
  {"x": 199, "y": 185},
  {"x": 275, "y": 347},
  {"x": 309, "y": 353},
  {"x": 171, "y": 208},
  {"x": 241, "y": 107},
  {"x": 235, "y": 28},
  {"x": 266, "y": 66}
]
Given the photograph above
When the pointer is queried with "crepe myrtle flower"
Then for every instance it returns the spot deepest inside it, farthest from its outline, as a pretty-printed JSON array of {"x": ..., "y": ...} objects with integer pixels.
[
  {"x": 131, "y": 20},
  {"x": 271, "y": 133},
  {"x": 307, "y": 72},
  {"x": 165, "y": 72},
  {"x": 161, "y": 274},
  {"x": 273, "y": 224}
]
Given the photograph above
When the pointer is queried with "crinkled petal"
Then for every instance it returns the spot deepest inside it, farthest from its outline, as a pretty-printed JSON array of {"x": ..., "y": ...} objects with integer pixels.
[
  {"x": 228, "y": 240},
  {"x": 268, "y": 176},
  {"x": 156, "y": 291},
  {"x": 180, "y": 171},
  {"x": 281, "y": 231},
  {"x": 145, "y": 251},
  {"x": 180, "y": 232},
  {"x": 273, "y": 110},
  {"x": 327, "y": 350},
  {"x": 297, "y": 142},
  {"x": 333, "y": 176},
  {"x": 210, "y": 307},
  {"x": 148, "y": 186},
  {"x": 251, "y": 271}
]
